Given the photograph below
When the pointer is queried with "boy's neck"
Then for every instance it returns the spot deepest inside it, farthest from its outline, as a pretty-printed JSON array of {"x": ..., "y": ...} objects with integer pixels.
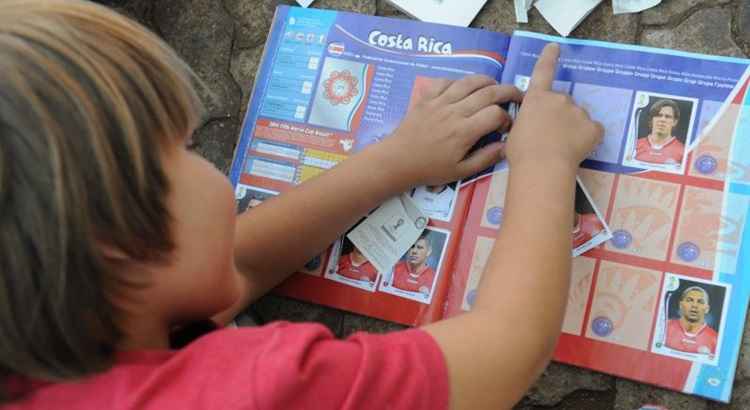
[{"x": 144, "y": 334}]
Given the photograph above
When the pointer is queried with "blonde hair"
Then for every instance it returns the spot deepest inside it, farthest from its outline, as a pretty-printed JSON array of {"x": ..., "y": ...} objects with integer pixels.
[{"x": 89, "y": 102}]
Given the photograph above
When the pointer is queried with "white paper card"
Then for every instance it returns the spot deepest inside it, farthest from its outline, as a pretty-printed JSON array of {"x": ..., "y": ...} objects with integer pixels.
[
  {"x": 388, "y": 232},
  {"x": 632, "y": 6},
  {"x": 455, "y": 12},
  {"x": 522, "y": 10},
  {"x": 565, "y": 16}
]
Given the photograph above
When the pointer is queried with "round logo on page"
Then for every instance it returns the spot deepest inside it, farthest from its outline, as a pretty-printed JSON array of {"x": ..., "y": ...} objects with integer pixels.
[
  {"x": 688, "y": 251},
  {"x": 602, "y": 326},
  {"x": 495, "y": 215},
  {"x": 341, "y": 87},
  {"x": 706, "y": 164},
  {"x": 621, "y": 239}
]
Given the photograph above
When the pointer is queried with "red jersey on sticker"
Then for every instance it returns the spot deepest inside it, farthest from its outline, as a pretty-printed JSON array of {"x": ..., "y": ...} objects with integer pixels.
[
  {"x": 406, "y": 279},
  {"x": 669, "y": 153},
  {"x": 365, "y": 271},
  {"x": 588, "y": 226},
  {"x": 703, "y": 341}
]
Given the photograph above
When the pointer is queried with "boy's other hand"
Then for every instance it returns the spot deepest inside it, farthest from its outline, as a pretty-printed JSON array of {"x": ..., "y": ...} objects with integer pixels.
[
  {"x": 430, "y": 146},
  {"x": 550, "y": 128}
]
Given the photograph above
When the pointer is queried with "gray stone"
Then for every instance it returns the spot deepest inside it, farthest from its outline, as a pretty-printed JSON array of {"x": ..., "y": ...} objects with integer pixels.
[
  {"x": 499, "y": 15},
  {"x": 631, "y": 396},
  {"x": 354, "y": 323},
  {"x": 559, "y": 380},
  {"x": 244, "y": 67},
  {"x": 139, "y": 10},
  {"x": 605, "y": 26},
  {"x": 202, "y": 34},
  {"x": 215, "y": 141},
  {"x": 740, "y": 398},
  {"x": 357, "y": 6},
  {"x": 743, "y": 21},
  {"x": 705, "y": 31},
  {"x": 253, "y": 19},
  {"x": 578, "y": 400},
  {"x": 271, "y": 308},
  {"x": 674, "y": 10},
  {"x": 743, "y": 364},
  {"x": 386, "y": 9}
]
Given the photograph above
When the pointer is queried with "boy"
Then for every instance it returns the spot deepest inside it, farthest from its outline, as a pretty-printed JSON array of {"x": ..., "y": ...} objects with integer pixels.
[{"x": 113, "y": 234}]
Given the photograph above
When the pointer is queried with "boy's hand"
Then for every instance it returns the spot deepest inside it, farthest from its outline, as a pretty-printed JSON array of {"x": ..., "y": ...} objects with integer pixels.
[
  {"x": 430, "y": 145},
  {"x": 550, "y": 128}
]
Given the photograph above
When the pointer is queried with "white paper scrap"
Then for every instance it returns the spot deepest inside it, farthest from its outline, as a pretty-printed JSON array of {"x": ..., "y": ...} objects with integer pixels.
[
  {"x": 565, "y": 16},
  {"x": 388, "y": 232},
  {"x": 632, "y": 6},
  {"x": 522, "y": 10},
  {"x": 305, "y": 3},
  {"x": 454, "y": 12}
]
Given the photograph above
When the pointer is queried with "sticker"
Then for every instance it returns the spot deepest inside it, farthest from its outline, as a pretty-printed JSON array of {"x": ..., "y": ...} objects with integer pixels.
[{"x": 388, "y": 232}]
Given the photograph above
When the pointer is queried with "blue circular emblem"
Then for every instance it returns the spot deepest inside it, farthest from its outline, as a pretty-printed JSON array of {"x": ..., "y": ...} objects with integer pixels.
[
  {"x": 621, "y": 239},
  {"x": 706, "y": 164},
  {"x": 495, "y": 215},
  {"x": 688, "y": 251},
  {"x": 602, "y": 326},
  {"x": 471, "y": 297}
]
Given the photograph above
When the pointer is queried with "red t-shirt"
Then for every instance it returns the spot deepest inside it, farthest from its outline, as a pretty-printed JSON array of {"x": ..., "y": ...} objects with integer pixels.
[
  {"x": 588, "y": 227},
  {"x": 364, "y": 271},
  {"x": 405, "y": 279},
  {"x": 279, "y": 366},
  {"x": 670, "y": 153},
  {"x": 702, "y": 341}
]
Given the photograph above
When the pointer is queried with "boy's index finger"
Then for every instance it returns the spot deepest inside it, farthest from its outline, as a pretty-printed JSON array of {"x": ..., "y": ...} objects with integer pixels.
[{"x": 544, "y": 70}]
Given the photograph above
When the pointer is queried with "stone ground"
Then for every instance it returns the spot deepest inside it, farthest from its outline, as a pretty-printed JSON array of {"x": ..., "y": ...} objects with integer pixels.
[{"x": 223, "y": 41}]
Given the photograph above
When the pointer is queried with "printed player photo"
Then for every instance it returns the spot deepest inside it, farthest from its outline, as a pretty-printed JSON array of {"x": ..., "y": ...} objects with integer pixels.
[
  {"x": 660, "y": 128},
  {"x": 249, "y": 197},
  {"x": 589, "y": 229},
  {"x": 436, "y": 201},
  {"x": 348, "y": 265},
  {"x": 354, "y": 265},
  {"x": 690, "y": 318},
  {"x": 415, "y": 275},
  {"x": 586, "y": 224}
]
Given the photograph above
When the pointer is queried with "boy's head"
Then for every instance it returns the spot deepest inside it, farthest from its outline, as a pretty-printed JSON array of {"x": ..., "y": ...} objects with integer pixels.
[{"x": 107, "y": 223}]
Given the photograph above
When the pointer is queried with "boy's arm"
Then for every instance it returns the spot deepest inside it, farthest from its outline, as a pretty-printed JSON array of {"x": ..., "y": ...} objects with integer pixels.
[
  {"x": 498, "y": 349},
  {"x": 429, "y": 147}
]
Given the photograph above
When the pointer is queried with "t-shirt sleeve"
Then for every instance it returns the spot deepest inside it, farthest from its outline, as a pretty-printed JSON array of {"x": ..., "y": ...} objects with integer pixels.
[{"x": 305, "y": 366}]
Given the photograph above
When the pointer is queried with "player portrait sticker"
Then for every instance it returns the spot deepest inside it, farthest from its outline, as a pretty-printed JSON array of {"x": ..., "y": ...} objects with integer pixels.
[
  {"x": 417, "y": 272},
  {"x": 436, "y": 201},
  {"x": 690, "y": 318},
  {"x": 659, "y": 135},
  {"x": 352, "y": 268}
]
